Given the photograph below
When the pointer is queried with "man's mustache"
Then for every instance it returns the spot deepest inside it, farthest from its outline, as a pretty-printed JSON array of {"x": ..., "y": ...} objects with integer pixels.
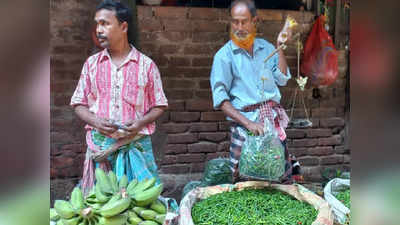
[{"x": 101, "y": 37}]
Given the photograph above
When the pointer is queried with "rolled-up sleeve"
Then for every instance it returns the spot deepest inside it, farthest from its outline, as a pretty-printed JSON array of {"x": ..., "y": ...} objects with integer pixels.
[
  {"x": 155, "y": 89},
  {"x": 220, "y": 80},
  {"x": 280, "y": 78},
  {"x": 80, "y": 96}
]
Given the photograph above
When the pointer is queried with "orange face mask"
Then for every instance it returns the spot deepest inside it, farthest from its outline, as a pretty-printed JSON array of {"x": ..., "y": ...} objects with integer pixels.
[{"x": 246, "y": 42}]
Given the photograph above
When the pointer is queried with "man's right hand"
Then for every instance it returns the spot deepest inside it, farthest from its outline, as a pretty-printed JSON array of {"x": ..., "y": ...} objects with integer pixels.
[
  {"x": 104, "y": 126},
  {"x": 255, "y": 128}
]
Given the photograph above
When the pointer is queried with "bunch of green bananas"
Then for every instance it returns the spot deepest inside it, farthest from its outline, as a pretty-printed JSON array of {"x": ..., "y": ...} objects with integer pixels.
[{"x": 112, "y": 203}]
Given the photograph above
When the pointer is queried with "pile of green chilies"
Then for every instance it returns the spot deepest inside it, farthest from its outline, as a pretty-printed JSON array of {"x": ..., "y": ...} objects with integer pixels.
[
  {"x": 252, "y": 207},
  {"x": 344, "y": 197}
]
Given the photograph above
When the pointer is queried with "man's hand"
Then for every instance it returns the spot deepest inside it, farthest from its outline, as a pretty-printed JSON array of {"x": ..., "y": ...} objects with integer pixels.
[
  {"x": 104, "y": 126},
  {"x": 101, "y": 156},
  {"x": 133, "y": 128},
  {"x": 255, "y": 128}
]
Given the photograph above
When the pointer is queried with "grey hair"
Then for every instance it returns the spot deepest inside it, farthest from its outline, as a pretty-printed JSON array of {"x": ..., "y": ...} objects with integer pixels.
[{"x": 248, "y": 3}]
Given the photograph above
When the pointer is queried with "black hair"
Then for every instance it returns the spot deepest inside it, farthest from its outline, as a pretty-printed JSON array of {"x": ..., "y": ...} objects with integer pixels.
[
  {"x": 122, "y": 12},
  {"x": 248, "y": 3}
]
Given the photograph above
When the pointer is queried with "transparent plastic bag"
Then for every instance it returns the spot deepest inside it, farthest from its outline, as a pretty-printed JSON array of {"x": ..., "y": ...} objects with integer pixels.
[
  {"x": 217, "y": 171},
  {"x": 263, "y": 157}
]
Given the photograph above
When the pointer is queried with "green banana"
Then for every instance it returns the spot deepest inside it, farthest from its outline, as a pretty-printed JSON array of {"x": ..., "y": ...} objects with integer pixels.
[
  {"x": 138, "y": 209},
  {"x": 53, "y": 215},
  {"x": 103, "y": 181},
  {"x": 102, "y": 198},
  {"x": 123, "y": 182},
  {"x": 143, "y": 185},
  {"x": 113, "y": 180},
  {"x": 160, "y": 218},
  {"x": 131, "y": 185},
  {"x": 59, "y": 222},
  {"x": 148, "y": 196},
  {"x": 158, "y": 206},
  {"x": 134, "y": 220},
  {"x": 148, "y": 214},
  {"x": 64, "y": 209},
  {"x": 114, "y": 198},
  {"x": 115, "y": 208},
  {"x": 148, "y": 222},
  {"x": 115, "y": 220},
  {"x": 77, "y": 200},
  {"x": 72, "y": 221}
]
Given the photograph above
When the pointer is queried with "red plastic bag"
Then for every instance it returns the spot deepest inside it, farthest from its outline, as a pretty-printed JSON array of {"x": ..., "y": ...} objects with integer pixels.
[{"x": 320, "y": 59}]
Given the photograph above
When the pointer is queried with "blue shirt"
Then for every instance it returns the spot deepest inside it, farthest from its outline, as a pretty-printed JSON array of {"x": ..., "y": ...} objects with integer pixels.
[{"x": 237, "y": 77}]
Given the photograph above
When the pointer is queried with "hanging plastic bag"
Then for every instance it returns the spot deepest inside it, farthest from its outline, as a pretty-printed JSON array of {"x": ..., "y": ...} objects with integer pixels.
[
  {"x": 263, "y": 157},
  {"x": 320, "y": 59},
  {"x": 331, "y": 189},
  {"x": 217, "y": 171}
]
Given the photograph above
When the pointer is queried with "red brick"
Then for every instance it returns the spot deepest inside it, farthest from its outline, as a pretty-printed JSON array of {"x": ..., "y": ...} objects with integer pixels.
[
  {"x": 298, "y": 151},
  {"x": 275, "y": 15},
  {"x": 149, "y": 47},
  {"x": 173, "y": 37},
  {"x": 204, "y": 127},
  {"x": 197, "y": 167},
  {"x": 173, "y": 128},
  {"x": 224, "y": 146},
  {"x": 179, "y": 94},
  {"x": 341, "y": 150},
  {"x": 211, "y": 37},
  {"x": 144, "y": 12},
  {"x": 323, "y": 112},
  {"x": 62, "y": 162},
  {"x": 74, "y": 171},
  {"x": 319, "y": 133},
  {"x": 204, "y": 13},
  {"x": 214, "y": 136},
  {"x": 185, "y": 116},
  {"x": 61, "y": 137},
  {"x": 182, "y": 138},
  {"x": 171, "y": 12},
  {"x": 160, "y": 60},
  {"x": 179, "y": 84},
  {"x": 175, "y": 169},
  {"x": 308, "y": 161},
  {"x": 295, "y": 133},
  {"x": 189, "y": 158},
  {"x": 332, "y": 122},
  {"x": 176, "y": 149},
  {"x": 304, "y": 143},
  {"x": 169, "y": 159},
  {"x": 198, "y": 105},
  {"x": 177, "y": 25},
  {"x": 312, "y": 173},
  {"x": 176, "y": 105},
  {"x": 212, "y": 116},
  {"x": 315, "y": 123},
  {"x": 67, "y": 49},
  {"x": 201, "y": 49},
  {"x": 208, "y": 26},
  {"x": 217, "y": 155},
  {"x": 203, "y": 94},
  {"x": 225, "y": 126},
  {"x": 164, "y": 118},
  {"x": 150, "y": 25},
  {"x": 77, "y": 148},
  {"x": 334, "y": 140},
  {"x": 62, "y": 87},
  {"x": 202, "y": 147},
  {"x": 179, "y": 61},
  {"x": 188, "y": 72},
  {"x": 203, "y": 61},
  {"x": 319, "y": 151},
  {"x": 169, "y": 49},
  {"x": 198, "y": 72},
  {"x": 62, "y": 100},
  {"x": 330, "y": 160}
]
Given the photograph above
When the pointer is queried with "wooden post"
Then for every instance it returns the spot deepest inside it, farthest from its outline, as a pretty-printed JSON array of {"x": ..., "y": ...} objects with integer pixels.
[{"x": 338, "y": 24}]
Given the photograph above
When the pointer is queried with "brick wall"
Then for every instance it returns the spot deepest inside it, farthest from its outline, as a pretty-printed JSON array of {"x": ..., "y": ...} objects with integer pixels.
[{"x": 182, "y": 42}]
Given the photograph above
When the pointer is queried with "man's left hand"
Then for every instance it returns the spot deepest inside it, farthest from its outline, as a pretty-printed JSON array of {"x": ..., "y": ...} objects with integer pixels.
[{"x": 133, "y": 128}]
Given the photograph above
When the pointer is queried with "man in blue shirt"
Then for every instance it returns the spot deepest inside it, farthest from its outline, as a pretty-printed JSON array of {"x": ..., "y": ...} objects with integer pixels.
[{"x": 245, "y": 87}]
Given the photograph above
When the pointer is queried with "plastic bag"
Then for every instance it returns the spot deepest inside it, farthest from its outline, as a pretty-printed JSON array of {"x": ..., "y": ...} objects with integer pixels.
[
  {"x": 333, "y": 188},
  {"x": 190, "y": 186},
  {"x": 320, "y": 59},
  {"x": 217, "y": 171},
  {"x": 263, "y": 157},
  {"x": 298, "y": 192}
]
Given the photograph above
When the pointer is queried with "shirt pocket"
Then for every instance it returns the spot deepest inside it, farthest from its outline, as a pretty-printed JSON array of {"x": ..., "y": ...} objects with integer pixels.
[{"x": 133, "y": 94}]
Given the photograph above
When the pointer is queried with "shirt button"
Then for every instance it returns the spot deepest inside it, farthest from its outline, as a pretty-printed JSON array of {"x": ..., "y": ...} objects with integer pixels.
[
  {"x": 117, "y": 86},
  {"x": 117, "y": 107}
]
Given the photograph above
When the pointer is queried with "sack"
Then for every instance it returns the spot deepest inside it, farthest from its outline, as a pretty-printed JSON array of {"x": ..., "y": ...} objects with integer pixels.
[
  {"x": 263, "y": 157},
  {"x": 217, "y": 171},
  {"x": 333, "y": 188},
  {"x": 325, "y": 216},
  {"x": 320, "y": 59},
  {"x": 190, "y": 186}
]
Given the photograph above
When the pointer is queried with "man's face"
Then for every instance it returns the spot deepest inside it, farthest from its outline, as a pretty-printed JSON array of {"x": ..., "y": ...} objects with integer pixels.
[
  {"x": 109, "y": 30},
  {"x": 242, "y": 23}
]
